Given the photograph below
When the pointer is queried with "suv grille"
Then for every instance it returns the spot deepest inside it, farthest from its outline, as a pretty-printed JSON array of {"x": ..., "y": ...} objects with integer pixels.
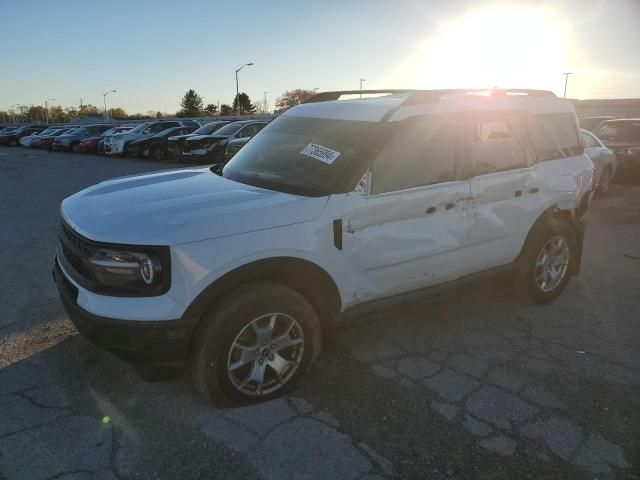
[{"x": 76, "y": 249}]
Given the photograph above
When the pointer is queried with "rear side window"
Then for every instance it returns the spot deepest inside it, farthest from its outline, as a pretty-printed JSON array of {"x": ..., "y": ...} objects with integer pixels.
[
  {"x": 421, "y": 152},
  {"x": 495, "y": 146},
  {"x": 555, "y": 135}
]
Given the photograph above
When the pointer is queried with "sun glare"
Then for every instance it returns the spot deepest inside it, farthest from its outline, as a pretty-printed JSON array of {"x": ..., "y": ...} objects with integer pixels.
[{"x": 493, "y": 46}]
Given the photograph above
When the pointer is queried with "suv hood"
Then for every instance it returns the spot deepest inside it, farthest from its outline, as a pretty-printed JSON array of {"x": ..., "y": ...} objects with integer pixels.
[{"x": 181, "y": 206}]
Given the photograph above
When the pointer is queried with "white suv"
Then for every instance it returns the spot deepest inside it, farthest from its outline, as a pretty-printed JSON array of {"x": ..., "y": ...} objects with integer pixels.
[{"x": 335, "y": 208}]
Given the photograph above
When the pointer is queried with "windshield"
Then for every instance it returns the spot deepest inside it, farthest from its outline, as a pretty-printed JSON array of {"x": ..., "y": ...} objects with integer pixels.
[
  {"x": 307, "y": 156},
  {"x": 628, "y": 131},
  {"x": 207, "y": 129},
  {"x": 139, "y": 128},
  {"x": 167, "y": 131},
  {"x": 229, "y": 129}
]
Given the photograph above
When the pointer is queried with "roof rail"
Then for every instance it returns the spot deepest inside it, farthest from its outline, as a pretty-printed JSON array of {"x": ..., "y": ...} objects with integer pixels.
[
  {"x": 423, "y": 96},
  {"x": 427, "y": 96},
  {"x": 335, "y": 95}
]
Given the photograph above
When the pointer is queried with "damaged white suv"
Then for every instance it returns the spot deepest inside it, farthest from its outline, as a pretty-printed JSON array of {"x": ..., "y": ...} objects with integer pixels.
[{"x": 335, "y": 208}]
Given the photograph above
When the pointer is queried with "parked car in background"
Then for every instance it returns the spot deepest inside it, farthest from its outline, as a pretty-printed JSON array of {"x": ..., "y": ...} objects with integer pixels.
[
  {"x": 118, "y": 144},
  {"x": 26, "y": 141},
  {"x": 110, "y": 133},
  {"x": 335, "y": 209},
  {"x": 46, "y": 141},
  {"x": 155, "y": 147},
  {"x": 70, "y": 141},
  {"x": 175, "y": 143},
  {"x": 12, "y": 138},
  {"x": 604, "y": 160},
  {"x": 8, "y": 129},
  {"x": 211, "y": 148},
  {"x": 233, "y": 147},
  {"x": 622, "y": 136},
  {"x": 590, "y": 123}
]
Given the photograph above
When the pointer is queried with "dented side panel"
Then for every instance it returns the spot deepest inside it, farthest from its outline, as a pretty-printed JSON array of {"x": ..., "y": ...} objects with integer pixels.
[{"x": 400, "y": 241}]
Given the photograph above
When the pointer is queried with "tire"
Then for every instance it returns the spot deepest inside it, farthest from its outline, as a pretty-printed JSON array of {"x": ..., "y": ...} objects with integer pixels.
[
  {"x": 12, "y": 143},
  {"x": 156, "y": 153},
  {"x": 543, "y": 284},
  {"x": 75, "y": 147},
  {"x": 605, "y": 181},
  {"x": 231, "y": 322}
]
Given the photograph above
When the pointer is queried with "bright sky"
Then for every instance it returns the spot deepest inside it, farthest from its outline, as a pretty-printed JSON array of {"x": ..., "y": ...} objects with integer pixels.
[{"x": 153, "y": 51}]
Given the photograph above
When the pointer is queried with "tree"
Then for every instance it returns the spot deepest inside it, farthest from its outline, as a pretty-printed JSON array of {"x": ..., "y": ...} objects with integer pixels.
[
  {"x": 70, "y": 112},
  {"x": 158, "y": 114},
  {"x": 242, "y": 104},
  {"x": 87, "y": 109},
  {"x": 211, "y": 109},
  {"x": 117, "y": 113},
  {"x": 191, "y": 104},
  {"x": 36, "y": 113},
  {"x": 226, "y": 110},
  {"x": 293, "y": 97},
  {"x": 56, "y": 114}
]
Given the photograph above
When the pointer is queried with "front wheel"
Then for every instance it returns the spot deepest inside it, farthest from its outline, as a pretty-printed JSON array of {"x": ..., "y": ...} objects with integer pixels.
[
  {"x": 545, "y": 266},
  {"x": 255, "y": 344},
  {"x": 75, "y": 148},
  {"x": 156, "y": 152}
]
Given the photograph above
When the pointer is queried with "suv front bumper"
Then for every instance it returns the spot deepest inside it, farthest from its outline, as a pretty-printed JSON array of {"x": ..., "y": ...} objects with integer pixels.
[{"x": 132, "y": 340}]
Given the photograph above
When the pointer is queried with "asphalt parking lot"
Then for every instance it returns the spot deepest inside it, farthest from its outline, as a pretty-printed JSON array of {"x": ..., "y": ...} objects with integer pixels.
[{"x": 474, "y": 386}]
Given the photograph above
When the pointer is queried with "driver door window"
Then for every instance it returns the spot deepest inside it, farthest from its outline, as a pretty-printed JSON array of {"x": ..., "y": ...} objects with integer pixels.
[{"x": 422, "y": 152}]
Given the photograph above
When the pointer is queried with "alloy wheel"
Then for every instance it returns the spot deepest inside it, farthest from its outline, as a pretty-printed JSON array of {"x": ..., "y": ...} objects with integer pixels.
[
  {"x": 552, "y": 264},
  {"x": 265, "y": 354}
]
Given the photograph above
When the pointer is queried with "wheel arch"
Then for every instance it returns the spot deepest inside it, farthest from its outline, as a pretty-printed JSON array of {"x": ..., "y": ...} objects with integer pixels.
[
  {"x": 571, "y": 217},
  {"x": 307, "y": 278}
]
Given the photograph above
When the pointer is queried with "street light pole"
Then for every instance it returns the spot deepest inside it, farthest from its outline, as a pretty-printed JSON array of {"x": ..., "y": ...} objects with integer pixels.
[
  {"x": 361, "y": 80},
  {"x": 566, "y": 80},
  {"x": 104, "y": 101},
  {"x": 46, "y": 109},
  {"x": 265, "y": 102},
  {"x": 237, "y": 88}
]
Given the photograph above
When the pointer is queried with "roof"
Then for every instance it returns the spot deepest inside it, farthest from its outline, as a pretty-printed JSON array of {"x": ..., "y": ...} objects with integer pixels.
[{"x": 397, "y": 105}]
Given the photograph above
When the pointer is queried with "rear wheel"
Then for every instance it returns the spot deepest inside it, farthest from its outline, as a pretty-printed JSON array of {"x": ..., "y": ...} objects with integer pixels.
[
  {"x": 255, "y": 344},
  {"x": 545, "y": 265},
  {"x": 13, "y": 142},
  {"x": 75, "y": 147}
]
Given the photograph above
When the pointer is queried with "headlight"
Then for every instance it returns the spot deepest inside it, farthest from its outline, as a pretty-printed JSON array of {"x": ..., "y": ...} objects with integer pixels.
[{"x": 124, "y": 270}]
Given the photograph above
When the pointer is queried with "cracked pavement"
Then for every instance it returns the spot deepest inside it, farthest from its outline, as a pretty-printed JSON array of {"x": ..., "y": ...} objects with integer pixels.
[{"x": 474, "y": 386}]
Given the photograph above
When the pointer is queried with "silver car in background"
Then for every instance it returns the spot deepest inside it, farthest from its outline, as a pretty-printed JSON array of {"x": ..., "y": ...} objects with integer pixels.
[{"x": 604, "y": 160}]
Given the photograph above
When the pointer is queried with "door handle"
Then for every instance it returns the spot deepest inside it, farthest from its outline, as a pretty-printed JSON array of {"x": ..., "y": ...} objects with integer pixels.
[
  {"x": 431, "y": 210},
  {"x": 449, "y": 206},
  {"x": 518, "y": 193},
  {"x": 534, "y": 190}
]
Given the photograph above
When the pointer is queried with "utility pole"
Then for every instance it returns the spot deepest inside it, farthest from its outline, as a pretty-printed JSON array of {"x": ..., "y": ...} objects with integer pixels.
[
  {"x": 237, "y": 88},
  {"x": 46, "y": 108},
  {"x": 361, "y": 81},
  {"x": 566, "y": 80},
  {"x": 104, "y": 101},
  {"x": 265, "y": 102}
]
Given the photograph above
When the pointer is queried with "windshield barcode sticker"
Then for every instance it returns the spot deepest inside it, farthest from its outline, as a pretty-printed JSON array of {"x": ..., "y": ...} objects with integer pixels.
[{"x": 321, "y": 153}]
